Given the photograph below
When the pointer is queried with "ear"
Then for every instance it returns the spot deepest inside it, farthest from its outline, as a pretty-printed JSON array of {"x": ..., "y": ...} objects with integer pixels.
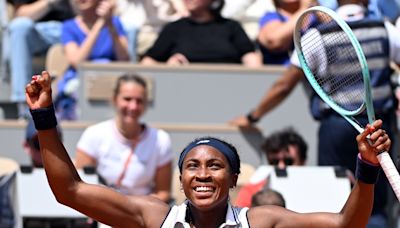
[{"x": 234, "y": 179}]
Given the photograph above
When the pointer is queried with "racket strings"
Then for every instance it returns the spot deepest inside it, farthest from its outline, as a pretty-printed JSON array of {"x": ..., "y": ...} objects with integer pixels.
[{"x": 330, "y": 55}]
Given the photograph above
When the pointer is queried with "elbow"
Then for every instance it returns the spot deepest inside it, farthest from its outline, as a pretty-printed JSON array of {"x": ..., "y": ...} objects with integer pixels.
[
  {"x": 275, "y": 44},
  {"x": 65, "y": 196}
]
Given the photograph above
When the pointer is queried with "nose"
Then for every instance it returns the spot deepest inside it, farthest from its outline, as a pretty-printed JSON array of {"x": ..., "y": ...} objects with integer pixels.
[
  {"x": 203, "y": 174},
  {"x": 281, "y": 164},
  {"x": 133, "y": 104}
]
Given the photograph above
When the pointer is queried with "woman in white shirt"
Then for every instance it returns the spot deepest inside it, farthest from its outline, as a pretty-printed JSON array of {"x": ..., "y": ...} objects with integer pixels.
[{"x": 129, "y": 156}]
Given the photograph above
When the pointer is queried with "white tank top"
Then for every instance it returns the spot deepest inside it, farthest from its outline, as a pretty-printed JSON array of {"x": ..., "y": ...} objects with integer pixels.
[{"x": 235, "y": 217}]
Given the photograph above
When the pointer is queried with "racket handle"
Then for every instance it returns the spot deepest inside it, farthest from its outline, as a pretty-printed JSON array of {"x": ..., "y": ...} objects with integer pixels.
[{"x": 390, "y": 171}]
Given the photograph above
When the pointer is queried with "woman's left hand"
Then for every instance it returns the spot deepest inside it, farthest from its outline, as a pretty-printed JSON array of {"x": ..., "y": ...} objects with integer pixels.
[{"x": 373, "y": 141}]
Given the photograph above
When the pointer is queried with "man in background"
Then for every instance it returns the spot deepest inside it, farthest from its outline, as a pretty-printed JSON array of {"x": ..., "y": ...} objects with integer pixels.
[{"x": 282, "y": 148}]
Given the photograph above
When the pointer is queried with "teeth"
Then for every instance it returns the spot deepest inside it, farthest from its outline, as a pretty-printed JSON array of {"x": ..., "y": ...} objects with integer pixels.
[{"x": 203, "y": 189}]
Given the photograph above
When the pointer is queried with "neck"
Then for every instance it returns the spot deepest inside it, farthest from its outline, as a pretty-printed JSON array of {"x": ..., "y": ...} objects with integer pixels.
[
  {"x": 210, "y": 218},
  {"x": 129, "y": 131},
  {"x": 288, "y": 9},
  {"x": 89, "y": 18},
  {"x": 201, "y": 16}
]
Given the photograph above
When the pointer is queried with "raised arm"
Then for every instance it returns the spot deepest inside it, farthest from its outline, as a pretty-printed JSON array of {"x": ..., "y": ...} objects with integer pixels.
[
  {"x": 273, "y": 97},
  {"x": 358, "y": 207},
  {"x": 98, "y": 202}
]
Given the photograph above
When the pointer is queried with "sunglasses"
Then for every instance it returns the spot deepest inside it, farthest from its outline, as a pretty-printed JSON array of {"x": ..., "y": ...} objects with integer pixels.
[{"x": 287, "y": 161}]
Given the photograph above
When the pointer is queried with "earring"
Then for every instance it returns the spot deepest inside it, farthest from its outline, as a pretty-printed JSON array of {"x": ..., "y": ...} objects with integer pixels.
[{"x": 181, "y": 188}]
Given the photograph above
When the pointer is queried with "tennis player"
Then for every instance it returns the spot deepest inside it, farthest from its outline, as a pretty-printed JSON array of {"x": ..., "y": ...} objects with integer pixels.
[{"x": 209, "y": 168}]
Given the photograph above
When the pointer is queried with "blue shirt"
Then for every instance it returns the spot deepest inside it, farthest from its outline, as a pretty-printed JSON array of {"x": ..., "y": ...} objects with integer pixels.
[
  {"x": 102, "y": 50},
  {"x": 274, "y": 57}
]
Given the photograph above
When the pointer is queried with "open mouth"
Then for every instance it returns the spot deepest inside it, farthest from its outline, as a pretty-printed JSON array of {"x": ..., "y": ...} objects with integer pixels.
[{"x": 204, "y": 189}]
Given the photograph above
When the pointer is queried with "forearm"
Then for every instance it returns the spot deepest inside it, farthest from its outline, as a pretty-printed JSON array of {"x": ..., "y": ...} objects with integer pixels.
[
  {"x": 35, "y": 10},
  {"x": 120, "y": 44},
  {"x": 85, "y": 48},
  {"x": 61, "y": 173},
  {"x": 279, "y": 37},
  {"x": 358, "y": 207}
]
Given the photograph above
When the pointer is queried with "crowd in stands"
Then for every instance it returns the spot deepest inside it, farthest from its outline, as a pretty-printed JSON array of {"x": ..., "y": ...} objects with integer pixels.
[{"x": 136, "y": 159}]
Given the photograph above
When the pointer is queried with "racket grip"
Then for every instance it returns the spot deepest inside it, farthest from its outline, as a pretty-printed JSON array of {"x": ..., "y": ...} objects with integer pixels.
[{"x": 390, "y": 171}]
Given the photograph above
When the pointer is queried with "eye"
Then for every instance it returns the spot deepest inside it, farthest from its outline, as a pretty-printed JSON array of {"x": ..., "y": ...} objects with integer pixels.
[
  {"x": 191, "y": 165},
  {"x": 215, "y": 165}
]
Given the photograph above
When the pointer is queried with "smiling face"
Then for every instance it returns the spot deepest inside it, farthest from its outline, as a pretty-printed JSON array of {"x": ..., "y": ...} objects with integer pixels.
[
  {"x": 130, "y": 102},
  {"x": 206, "y": 177}
]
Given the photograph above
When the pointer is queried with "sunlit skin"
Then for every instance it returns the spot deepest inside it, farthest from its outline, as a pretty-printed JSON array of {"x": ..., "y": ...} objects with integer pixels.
[
  {"x": 206, "y": 167},
  {"x": 130, "y": 103}
]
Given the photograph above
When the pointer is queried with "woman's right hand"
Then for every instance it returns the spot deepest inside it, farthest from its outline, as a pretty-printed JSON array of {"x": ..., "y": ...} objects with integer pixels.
[
  {"x": 105, "y": 10},
  {"x": 177, "y": 59},
  {"x": 38, "y": 91}
]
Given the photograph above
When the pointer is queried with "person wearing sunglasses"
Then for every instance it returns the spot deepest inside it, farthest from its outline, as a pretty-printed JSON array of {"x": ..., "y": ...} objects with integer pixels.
[{"x": 282, "y": 148}]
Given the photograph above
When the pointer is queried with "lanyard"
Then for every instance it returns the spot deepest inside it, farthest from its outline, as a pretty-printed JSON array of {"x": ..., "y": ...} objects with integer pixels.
[{"x": 128, "y": 159}]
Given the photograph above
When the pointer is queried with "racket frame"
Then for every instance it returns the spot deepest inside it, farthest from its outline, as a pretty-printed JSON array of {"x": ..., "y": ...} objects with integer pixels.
[{"x": 368, "y": 103}]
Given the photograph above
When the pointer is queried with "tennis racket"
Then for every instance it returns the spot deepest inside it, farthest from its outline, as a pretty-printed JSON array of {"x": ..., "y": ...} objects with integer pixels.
[{"x": 339, "y": 75}]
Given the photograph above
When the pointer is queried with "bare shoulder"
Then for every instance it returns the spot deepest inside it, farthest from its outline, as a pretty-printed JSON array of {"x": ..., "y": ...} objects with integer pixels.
[{"x": 154, "y": 210}]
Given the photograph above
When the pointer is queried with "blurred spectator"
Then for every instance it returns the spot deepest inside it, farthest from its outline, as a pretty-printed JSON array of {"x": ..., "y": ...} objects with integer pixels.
[
  {"x": 31, "y": 144},
  {"x": 8, "y": 169},
  {"x": 129, "y": 156},
  {"x": 36, "y": 26},
  {"x": 267, "y": 197},
  {"x": 94, "y": 35},
  {"x": 203, "y": 37},
  {"x": 281, "y": 148},
  {"x": 276, "y": 33},
  {"x": 376, "y": 9},
  {"x": 143, "y": 20},
  {"x": 248, "y": 13}
]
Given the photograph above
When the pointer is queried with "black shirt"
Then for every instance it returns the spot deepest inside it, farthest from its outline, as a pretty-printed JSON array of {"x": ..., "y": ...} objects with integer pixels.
[{"x": 219, "y": 41}]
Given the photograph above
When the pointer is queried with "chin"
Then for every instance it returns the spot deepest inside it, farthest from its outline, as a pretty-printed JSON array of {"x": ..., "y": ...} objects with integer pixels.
[
  {"x": 206, "y": 203},
  {"x": 130, "y": 119}
]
